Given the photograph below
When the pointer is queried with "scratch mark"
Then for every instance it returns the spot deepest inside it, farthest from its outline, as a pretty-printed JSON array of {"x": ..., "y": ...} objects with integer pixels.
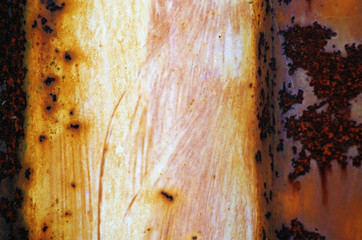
[
  {"x": 100, "y": 187},
  {"x": 129, "y": 206}
]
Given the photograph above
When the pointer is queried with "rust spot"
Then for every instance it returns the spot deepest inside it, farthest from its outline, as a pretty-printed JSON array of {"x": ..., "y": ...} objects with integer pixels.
[
  {"x": 41, "y": 138},
  {"x": 43, "y": 20},
  {"x": 280, "y": 146},
  {"x": 287, "y": 100},
  {"x": 53, "y": 96},
  {"x": 49, "y": 80},
  {"x": 27, "y": 173},
  {"x": 47, "y": 29},
  {"x": 35, "y": 24},
  {"x": 67, "y": 56},
  {"x": 296, "y": 231},
  {"x": 68, "y": 214},
  {"x": 74, "y": 126},
  {"x": 167, "y": 196},
  {"x": 52, "y": 6},
  {"x": 258, "y": 157}
]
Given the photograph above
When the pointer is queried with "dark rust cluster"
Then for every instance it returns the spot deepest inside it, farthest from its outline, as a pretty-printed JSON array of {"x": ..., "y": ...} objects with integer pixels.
[
  {"x": 287, "y": 100},
  {"x": 266, "y": 122},
  {"x": 266, "y": 117},
  {"x": 43, "y": 22},
  {"x": 325, "y": 130},
  {"x": 297, "y": 232},
  {"x": 266, "y": 73},
  {"x": 52, "y": 6}
]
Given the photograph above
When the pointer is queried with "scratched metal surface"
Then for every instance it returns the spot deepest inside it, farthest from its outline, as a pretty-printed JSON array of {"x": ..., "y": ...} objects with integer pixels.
[{"x": 162, "y": 120}]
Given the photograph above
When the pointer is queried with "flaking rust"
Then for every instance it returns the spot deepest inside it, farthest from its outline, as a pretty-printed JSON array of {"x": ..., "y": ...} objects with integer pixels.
[{"x": 325, "y": 134}]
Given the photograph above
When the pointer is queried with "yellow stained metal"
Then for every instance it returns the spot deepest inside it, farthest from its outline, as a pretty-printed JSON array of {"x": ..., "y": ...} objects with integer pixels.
[{"x": 153, "y": 132}]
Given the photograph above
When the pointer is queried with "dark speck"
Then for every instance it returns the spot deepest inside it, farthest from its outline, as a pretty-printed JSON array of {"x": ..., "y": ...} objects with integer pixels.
[
  {"x": 258, "y": 156},
  {"x": 280, "y": 146},
  {"x": 43, "y": 20},
  {"x": 194, "y": 237},
  {"x": 45, "y": 228},
  {"x": 27, "y": 173},
  {"x": 168, "y": 196},
  {"x": 48, "y": 108},
  {"x": 35, "y": 24},
  {"x": 67, "y": 57},
  {"x": 75, "y": 126},
  {"x": 52, "y": 6},
  {"x": 47, "y": 29},
  {"x": 68, "y": 214},
  {"x": 41, "y": 138},
  {"x": 49, "y": 81},
  {"x": 54, "y": 97},
  {"x": 73, "y": 185}
]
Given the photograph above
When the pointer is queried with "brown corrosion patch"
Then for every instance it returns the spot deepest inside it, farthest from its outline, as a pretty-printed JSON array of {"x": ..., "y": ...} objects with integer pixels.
[
  {"x": 287, "y": 100},
  {"x": 12, "y": 106},
  {"x": 297, "y": 232},
  {"x": 325, "y": 130},
  {"x": 13, "y": 99}
]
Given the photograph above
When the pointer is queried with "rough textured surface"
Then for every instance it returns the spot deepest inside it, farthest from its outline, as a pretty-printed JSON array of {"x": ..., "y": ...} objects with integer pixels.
[
  {"x": 12, "y": 97},
  {"x": 325, "y": 129},
  {"x": 12, "y": 106}
]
